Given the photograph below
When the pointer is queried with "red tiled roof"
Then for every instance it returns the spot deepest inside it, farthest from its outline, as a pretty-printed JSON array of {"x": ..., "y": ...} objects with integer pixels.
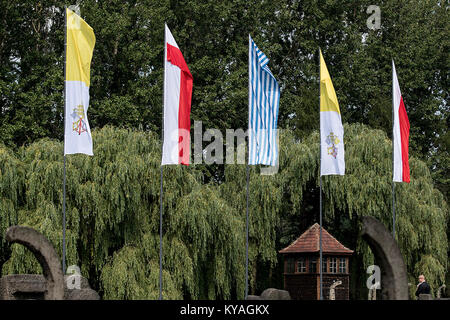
[{"x": 309, "y": 242}]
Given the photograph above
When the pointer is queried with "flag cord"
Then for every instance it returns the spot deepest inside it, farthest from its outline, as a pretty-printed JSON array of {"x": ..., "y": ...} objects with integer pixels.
[{"x": 246, "y": 237}]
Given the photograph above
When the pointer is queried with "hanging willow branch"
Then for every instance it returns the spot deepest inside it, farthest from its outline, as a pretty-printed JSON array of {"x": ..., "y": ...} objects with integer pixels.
[{"x": 113, "y": 212}]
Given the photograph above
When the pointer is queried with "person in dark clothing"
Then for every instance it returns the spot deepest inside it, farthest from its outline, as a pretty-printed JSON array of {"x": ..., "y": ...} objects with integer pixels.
[{"x": 423, "y": 286}]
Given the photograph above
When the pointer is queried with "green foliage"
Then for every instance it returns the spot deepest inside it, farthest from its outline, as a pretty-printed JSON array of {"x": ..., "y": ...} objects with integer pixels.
[
  {"x": 112, "y": 218},
  {"x": 11, "y": 189},
  {"x": 31, "y": 70},
  {"x": 112, "y": 206},
  {"x": 126, "y": 86},
  {"x": 113, "y": 213},
  {"x": 421, "y": 211}
]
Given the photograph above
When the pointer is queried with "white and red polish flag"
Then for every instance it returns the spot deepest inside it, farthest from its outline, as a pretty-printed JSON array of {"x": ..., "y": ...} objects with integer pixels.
[
  {"x": 400, "y": 133},
  {"x": 177, "y": 104}
]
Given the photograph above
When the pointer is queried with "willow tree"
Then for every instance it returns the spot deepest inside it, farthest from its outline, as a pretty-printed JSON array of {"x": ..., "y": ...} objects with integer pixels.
[
  {"x": 365, "y": 190},
  {"x": 11, "y": 188},
  {"x": 282, "y": 206},
  {"x": 421, "y": 211},
  {"x": 113, "y": 218},
  {"x": 113, "y": 213}
]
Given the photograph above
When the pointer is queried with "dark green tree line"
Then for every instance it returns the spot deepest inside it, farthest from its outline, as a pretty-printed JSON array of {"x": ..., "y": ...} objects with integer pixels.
[
  {"x": 126, "y": 92},
  {"x": 126, "y": 86}
]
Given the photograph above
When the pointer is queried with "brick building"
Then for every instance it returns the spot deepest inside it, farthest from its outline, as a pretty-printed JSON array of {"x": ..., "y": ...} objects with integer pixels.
[{"x": 301, "y": 261}]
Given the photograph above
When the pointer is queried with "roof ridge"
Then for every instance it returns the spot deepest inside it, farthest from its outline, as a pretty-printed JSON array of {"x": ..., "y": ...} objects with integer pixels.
[{"x": 313, "y": 233}]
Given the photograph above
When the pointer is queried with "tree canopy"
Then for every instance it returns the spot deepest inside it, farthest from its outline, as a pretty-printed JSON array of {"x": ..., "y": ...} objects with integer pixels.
[
  {"x": 126, "y": 79},
  {"x": 113, "y": 213},
  {"x": 113, "y": 197}
]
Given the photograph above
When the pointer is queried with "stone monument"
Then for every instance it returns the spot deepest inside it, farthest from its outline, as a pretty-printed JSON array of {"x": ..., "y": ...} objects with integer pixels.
[{"x": 52, "y": 284}]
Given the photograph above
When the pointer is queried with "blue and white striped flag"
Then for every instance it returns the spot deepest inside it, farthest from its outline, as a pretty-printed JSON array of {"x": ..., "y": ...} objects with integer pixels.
[{"x": 263, "y": 101}]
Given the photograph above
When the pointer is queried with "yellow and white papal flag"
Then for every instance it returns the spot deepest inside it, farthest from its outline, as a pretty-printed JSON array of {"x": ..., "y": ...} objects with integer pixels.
[
  {"x": 331, "y": 130},
  {"x": 79, "y": 48}
]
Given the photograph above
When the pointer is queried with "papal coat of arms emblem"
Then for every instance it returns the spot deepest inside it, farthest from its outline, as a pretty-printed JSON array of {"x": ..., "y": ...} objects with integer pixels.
[
  {"x": 79, "y": 125},
  {"x": 333, "y": 141}
]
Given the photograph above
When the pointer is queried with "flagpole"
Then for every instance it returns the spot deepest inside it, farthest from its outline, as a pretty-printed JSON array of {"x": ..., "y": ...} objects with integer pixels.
[
  {"x": 248, "y": 179},
  {"x": 160, "y": 234},
  {"x": 246, "y": 236},
  {"x": 320, "y": 242},
  {"x": 161, "y": 207},
  {"x": 393, "y": 183},
  {"x": 320, "y": 197},
  {"x": 64, "y": 183},
  {"x": 64, "y": 220},
  {"x": 393, "y": 210}
]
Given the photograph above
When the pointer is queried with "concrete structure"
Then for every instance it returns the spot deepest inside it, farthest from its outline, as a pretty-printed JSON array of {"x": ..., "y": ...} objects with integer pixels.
[
  {"x": 394, "y": 281},
  {"x": 46, "y": 255},
  {"x": 271, "y": 294},
  {"x": 34, "y": 287},
  {"x": 425, "y": 296},
  {"x": 275, "y": 294},
  {"x": 52, "y": 285}
]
